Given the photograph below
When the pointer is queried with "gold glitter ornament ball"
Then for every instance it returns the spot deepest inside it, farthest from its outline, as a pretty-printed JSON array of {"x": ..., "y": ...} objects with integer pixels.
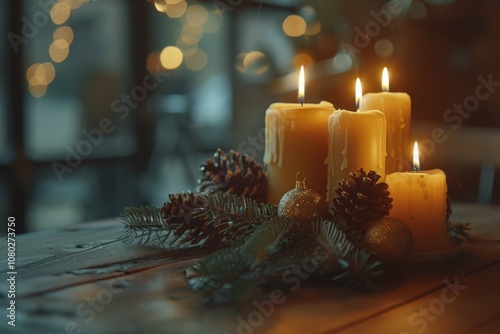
[
  {"x": 303, "y": 204},
  {"x": 389, "y": 239}
]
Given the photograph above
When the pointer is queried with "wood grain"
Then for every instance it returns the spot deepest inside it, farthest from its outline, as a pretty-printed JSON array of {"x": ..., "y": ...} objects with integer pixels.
[{"x": 83, "y": 280}]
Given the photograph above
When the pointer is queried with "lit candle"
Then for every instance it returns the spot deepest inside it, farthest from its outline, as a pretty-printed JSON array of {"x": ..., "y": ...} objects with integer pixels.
[
  {"x": 419, "y": 200},
  {"x": 296, "y": 141},
  {"x": 356, "y": 140},
  {"x": 397, "y": 110}
]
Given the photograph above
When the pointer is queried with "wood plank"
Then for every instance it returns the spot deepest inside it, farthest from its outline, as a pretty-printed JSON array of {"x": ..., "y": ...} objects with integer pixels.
[
  {"x": 445, "y": 310},
  {"x": 323, "y": 309},
  {"x": 156, "y": 299}
]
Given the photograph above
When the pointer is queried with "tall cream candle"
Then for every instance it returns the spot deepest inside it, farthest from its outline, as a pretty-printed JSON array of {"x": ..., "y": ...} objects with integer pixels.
[
  {"x": 356, "y": 140},
  {"x": 419, "y": 200},
  {"x": 397, "y": 110},
  {"x": 296, "y": 141}
]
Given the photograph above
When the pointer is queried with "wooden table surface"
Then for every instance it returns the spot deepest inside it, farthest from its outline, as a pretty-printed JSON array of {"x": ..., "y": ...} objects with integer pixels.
[{"x": 82, "y": 280}]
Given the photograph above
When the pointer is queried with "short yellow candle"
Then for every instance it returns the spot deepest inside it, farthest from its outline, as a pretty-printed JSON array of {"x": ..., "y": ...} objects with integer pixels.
[
  {"x": 397, "y": 110},
  {"x": 419, "y": 200},
  {"x": 356, "y": 140},
  {"x": 296, "y": 141}
]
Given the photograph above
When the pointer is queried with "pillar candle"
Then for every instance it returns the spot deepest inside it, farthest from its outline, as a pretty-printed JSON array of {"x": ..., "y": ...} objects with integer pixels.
[
  {"x": 356, "y": 140},
  {"x": 397, "y": 110},
  {"x": 419, "y": 200},
  {"x": 296, "y": 141}
]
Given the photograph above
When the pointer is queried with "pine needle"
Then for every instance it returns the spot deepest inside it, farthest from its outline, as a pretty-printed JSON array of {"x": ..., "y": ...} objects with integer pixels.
[{"x": 145, "y": 226}]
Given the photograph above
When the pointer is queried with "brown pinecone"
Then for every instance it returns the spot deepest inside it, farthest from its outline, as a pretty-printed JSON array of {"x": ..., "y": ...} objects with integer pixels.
[
  {"x": 234, "y": 173},
  {"x": 362, "y": 200},
  {"x": 178, "y": 213}
]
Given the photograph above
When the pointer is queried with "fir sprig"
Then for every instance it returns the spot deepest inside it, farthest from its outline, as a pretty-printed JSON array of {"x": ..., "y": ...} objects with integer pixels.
[
  {"x": 145, "y": 226},
  {"x": 232, "y": 215},
  {"x": 268, "y": 252}
]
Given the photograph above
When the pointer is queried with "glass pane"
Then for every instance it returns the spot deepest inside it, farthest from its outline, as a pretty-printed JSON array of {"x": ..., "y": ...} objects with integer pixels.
[
  {"x": 4, "y": 135},
  {"x": 76, "y": 66}
]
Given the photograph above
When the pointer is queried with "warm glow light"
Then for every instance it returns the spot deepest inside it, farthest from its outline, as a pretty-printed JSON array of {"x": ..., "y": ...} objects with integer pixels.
[
  {"x": 197, "y": 61},
  {"x": 161, "y": 7},
  {"x": 65, "y": 33},
  {"x": 301, "y": 94},
  {"x": 314, "y": 29},
  {"x": 59, "y": 13},
  {"x": 416, "y": 160},
  {"x": 176, "y": 10},
  {"x": 302, "y": 58},
  {"x": 59, "y": 50},
  {"x": 37, "y": 90},
  {"x": 385, "y": 80},
  {"x": 196, "y": 15},
  {"x": 359, "y": 93},
  {"x": 294, "y": 26},
  {"x": 171, "y": 57}
]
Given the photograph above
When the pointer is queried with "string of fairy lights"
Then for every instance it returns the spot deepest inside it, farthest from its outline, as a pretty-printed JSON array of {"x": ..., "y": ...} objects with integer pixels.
[
  {"x": 41, "y": 75},
  {"x": 197, "y": 20}
]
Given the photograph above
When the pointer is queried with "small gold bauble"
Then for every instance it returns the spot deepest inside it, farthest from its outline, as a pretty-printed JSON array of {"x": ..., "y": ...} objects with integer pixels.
[
  {"x": 302, "y": 204},
  {"x": 389, "y": 239}
]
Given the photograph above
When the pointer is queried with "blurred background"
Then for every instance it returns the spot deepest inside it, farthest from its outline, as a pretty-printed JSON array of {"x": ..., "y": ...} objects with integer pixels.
[{"x": 113, "y": 103}]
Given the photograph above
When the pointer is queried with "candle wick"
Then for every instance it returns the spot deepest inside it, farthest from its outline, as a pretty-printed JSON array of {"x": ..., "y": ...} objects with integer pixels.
[
  {"x": 301, "y": 100},
  {"x": 416, "y": 169}
]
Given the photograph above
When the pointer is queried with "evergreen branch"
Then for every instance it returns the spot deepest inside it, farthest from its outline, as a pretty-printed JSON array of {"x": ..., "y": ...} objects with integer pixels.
[
  {"x": 342, "y": 254},
  {"x": 233, "y": 274},
  {"x": 233, "y": 215},
  {"x": 275, "y": 246},
  {"x": 145, "y": 226},
  {"x": 264, "y": 241}
]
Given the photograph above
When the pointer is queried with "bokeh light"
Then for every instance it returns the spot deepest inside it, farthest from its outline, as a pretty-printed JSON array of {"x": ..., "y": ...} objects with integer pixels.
[
  {"x": 176, "y": 10},
  {"x": 196, "y": 15},
  {"x": 294, "y": 26},
  {"x": 255, "y": 62},
  {"x": 313, "y": 29},
  {"x": 197, "y": 61},
  {"x": 65, "y": 33},
  {"x": 213, "y": 22},
  {"x": 302, "y": 58},
  {"x": 161, "y": 6},
  {"x": 171, "y": 57},
  {"x": 60, "y": 12},
  {"x": 342, "y": 62},
  {"x": 59, "y": 50},
  {"x": 73, "y": 4},
  {"x": 384, "y": 48},
  {"x": 37, "y": 90},
  {"x": 44, "y": 74}
]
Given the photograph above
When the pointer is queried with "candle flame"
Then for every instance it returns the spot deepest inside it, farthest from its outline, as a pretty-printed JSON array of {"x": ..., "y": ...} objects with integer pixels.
[
  {"x": 301, "y": 94},
  {"x": 416, "y": 159},
  {"x": 359, "y": 93},
  {"x": 385, "y": 80}
]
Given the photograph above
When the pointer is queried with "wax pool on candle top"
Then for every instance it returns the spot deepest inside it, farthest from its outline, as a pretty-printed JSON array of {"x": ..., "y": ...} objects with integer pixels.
[{"x": 296, "y": 141}]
